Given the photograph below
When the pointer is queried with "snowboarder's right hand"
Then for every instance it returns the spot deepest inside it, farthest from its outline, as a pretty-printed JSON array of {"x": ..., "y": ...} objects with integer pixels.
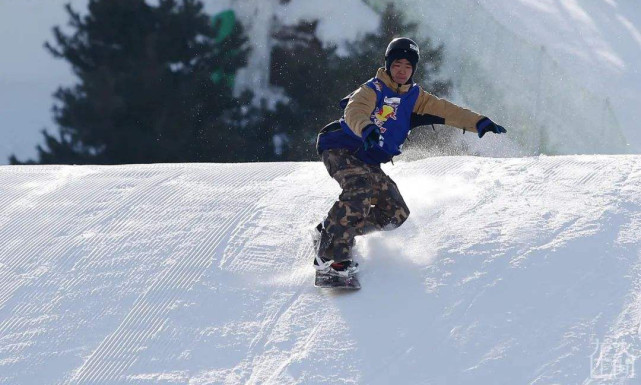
[{"x": 371, "y": 136}]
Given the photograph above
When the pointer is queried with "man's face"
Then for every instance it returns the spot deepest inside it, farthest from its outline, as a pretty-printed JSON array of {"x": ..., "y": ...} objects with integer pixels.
[{"x": 401, "y": 70}]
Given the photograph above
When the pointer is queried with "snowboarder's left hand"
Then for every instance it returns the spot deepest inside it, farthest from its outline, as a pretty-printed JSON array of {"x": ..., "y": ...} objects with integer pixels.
[
  {"x": 484, "y": 125},
  {"x": 371, "y": 136}
]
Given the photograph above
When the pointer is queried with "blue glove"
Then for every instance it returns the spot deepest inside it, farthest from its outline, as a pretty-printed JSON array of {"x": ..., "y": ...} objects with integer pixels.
[
  {"x": 371, "y": 136},
  {"x": 485, "y": 125}
]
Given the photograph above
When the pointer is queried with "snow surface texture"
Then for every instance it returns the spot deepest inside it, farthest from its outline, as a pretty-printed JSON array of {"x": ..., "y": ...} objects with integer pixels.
[{"x": 507, "y": 271}]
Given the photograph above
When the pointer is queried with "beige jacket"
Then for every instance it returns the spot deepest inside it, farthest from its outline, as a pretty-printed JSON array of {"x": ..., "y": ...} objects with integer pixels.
[{"x": 360, "y": 106}]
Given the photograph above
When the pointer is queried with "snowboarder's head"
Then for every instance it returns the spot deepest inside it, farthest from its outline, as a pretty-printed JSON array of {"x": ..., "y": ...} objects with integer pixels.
[{"x": 401, "y": 57}]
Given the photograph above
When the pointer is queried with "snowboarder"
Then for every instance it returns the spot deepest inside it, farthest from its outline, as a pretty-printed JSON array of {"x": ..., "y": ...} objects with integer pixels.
[{"x": 376, "y": 121}]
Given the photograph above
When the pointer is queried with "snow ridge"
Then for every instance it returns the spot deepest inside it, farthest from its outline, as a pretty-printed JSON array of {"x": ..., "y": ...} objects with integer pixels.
[{"x": 514, "y": 270}]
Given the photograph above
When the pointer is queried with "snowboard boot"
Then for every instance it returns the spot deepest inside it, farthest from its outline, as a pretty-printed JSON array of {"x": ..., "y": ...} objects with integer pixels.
[{"x": 321, "y": 239}]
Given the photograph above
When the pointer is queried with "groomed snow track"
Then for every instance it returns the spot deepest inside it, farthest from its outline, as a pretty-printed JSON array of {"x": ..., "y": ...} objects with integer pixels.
[{"x": 508, "y": 271}]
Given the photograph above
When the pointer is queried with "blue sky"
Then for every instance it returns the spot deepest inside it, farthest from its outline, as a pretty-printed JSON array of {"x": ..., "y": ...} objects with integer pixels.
[{"x": 29, "y": 75}]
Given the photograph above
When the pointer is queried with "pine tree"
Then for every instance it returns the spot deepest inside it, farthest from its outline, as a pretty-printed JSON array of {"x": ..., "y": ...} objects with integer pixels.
[
  {"x": 305, "y": 69},
  {"x": 154, "y": 85}
]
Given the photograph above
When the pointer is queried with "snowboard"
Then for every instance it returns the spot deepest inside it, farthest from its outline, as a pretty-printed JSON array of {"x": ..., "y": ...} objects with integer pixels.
[{"x": 334, "y": 282}]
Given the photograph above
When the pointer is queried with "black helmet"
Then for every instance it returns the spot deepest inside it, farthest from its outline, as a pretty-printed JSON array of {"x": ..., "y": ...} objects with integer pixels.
[{"x": 402, "y": 48}]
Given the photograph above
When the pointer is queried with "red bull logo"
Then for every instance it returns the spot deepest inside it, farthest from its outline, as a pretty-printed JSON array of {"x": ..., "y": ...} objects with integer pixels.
[{"x": 387, "y": 111}]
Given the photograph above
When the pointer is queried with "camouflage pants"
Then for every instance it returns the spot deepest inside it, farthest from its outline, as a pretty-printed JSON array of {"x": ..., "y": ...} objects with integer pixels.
[{"x": 370, "y": 201}]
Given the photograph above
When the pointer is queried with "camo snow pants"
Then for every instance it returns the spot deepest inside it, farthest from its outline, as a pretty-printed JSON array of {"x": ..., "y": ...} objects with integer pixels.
[{"x": 370, "y": 201}]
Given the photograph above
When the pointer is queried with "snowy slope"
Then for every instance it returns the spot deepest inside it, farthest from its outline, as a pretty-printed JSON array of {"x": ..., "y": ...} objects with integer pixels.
[
  {"x": 598, "y": 42},
  {"x": 507, "y": 271}
]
